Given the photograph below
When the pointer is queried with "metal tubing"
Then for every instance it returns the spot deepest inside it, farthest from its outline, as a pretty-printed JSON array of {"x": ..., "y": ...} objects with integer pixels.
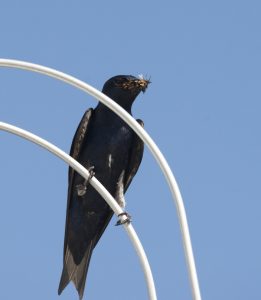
[
  {"x": 147, "y": 140},
  {"x": 100, "y": 189}
]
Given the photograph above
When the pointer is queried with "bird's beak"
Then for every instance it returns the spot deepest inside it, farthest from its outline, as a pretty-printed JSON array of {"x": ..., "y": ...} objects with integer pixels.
[{"x": 143, "y": 84}]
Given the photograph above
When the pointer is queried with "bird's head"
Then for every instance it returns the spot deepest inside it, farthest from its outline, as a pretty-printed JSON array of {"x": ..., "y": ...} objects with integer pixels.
[{"x": 123, "y": 89}]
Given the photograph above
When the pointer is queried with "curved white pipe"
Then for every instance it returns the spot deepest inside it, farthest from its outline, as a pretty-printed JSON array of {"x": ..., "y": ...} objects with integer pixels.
[
  {"x": 101, "y": 190},
  {"x": 147, "y": 140}
]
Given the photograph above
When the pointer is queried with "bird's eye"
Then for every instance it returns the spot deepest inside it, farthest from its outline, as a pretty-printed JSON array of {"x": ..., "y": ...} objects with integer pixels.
[
  {"x": 118, "y": 81},
  {"x": 122, "y": 83},
  {"x": 121, "y": 80}
]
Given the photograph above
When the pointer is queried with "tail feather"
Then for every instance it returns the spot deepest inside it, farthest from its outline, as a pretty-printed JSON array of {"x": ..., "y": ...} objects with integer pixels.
[
  {"x": 75, "y": 273},
  {"x": 64, "y": 280}
]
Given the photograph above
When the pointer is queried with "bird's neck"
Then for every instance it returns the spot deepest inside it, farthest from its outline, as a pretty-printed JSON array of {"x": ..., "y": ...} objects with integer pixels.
[{"x": 101, "y": 108}]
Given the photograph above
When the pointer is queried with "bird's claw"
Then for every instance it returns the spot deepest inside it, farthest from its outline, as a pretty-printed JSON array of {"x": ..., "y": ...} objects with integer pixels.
[
  {"x": 81, "y": 188},
  {"x": 127, "y": 220},
  {"x": 92, "y": 173}
]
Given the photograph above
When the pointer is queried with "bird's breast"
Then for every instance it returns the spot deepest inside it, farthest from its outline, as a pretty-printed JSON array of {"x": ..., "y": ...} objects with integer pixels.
[{"x": 107, "y": 149}]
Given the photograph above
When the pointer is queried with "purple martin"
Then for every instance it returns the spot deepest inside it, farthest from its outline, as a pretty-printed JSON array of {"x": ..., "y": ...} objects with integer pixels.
[{"x": 110, "y": 149}]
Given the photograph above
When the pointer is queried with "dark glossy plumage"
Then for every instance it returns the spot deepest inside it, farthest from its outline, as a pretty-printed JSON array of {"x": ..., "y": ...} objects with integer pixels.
[{"x": 105, "y": 142}]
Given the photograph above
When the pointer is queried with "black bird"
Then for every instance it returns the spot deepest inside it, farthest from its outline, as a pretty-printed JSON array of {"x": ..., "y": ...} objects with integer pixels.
[{"x": 108, "y": 147}]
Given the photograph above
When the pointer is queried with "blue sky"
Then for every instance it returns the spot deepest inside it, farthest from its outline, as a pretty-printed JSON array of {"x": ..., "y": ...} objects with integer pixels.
[{"x": 203, "y": 110}]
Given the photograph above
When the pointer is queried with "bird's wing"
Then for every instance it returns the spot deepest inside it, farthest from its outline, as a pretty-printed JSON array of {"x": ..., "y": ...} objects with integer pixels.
[
  {"x": 78, "y": 139},
  {"x": 76, "y": 146},
  {"x": 135, "y": 158},
  {"x": 70, "y": 271}
]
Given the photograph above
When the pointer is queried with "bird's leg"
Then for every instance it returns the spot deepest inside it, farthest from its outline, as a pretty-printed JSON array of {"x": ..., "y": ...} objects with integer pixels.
[
  {"x": 119, "y": 196},
  {"x": 81, "y": 188},
  {"x": 121, "y": 221}
]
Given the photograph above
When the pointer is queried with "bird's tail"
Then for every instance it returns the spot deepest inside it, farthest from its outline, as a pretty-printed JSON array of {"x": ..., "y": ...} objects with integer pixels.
[{"x": 75, "y": 273}]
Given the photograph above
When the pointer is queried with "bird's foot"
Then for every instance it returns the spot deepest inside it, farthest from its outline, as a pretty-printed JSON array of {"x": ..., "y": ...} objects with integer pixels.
[
  {"x": 81, "y": 188},
  {"x": 121, "y": 221}
]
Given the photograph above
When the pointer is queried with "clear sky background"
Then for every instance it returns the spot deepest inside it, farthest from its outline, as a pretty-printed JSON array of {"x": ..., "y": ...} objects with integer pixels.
[{"x": 203, "y": 110}]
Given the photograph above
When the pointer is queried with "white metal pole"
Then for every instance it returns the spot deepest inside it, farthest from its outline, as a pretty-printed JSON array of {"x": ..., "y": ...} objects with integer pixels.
[
  {"x": 147, "y": 140},
  {"x": 100, "y": 189}
]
